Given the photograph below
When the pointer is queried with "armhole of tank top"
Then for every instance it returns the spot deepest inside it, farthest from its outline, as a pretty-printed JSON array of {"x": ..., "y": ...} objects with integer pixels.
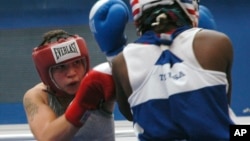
[
  {"x": 54, "y": 104},
  {"x": 194, "y": 63}
]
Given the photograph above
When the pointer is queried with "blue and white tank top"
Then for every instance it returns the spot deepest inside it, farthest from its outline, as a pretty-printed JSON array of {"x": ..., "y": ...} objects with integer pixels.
[{"x": 173, "y": 97}]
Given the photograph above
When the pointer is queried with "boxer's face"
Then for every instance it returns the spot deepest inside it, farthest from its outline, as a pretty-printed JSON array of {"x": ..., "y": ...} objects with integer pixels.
[{"x": 68, "y": 76}]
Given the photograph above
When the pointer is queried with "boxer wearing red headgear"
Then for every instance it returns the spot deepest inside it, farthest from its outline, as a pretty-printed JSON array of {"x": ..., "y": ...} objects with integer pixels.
[
  {"x": 53, "y": 54},
  {"x": 72, "y": 102}
]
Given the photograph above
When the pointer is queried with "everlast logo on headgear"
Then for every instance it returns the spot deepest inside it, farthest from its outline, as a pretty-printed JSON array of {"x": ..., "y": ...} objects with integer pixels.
[{"x": 65, "y": 51}]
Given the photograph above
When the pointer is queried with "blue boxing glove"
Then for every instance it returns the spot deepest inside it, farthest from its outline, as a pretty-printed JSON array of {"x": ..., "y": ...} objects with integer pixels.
[
  {"x": 107, "y": 21},
  {"x": 206, "y": 19}
]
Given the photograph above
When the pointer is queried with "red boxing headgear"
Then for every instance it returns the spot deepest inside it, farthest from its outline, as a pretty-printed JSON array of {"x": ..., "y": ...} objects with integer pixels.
[{"x": 63, "y": 50}]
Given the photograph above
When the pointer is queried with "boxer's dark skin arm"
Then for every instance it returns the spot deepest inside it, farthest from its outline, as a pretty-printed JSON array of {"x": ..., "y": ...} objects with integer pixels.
[
  {"x": 214, "y": 51},
  {"x": 123, "y": 88}
]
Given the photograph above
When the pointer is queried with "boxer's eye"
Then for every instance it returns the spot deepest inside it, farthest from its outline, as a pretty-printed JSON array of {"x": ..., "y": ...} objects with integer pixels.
[
  {"x": 59, "y": 67},
  {"x": 63, "y": 67}
]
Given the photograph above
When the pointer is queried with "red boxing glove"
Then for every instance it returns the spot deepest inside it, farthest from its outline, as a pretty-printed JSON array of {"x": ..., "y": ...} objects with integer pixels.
[{"x": 96, "y": 86}]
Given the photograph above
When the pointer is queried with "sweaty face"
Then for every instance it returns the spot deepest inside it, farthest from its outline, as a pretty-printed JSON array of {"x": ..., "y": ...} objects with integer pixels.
[{"x": 67, "y": 76}]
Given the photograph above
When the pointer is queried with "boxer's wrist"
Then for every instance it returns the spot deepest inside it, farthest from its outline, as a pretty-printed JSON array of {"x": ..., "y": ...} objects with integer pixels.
[{"x": 76, "y": 114}]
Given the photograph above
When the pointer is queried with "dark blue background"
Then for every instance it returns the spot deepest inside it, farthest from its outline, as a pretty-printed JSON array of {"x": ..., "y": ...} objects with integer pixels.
[{"x": 232, "y": 18}]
